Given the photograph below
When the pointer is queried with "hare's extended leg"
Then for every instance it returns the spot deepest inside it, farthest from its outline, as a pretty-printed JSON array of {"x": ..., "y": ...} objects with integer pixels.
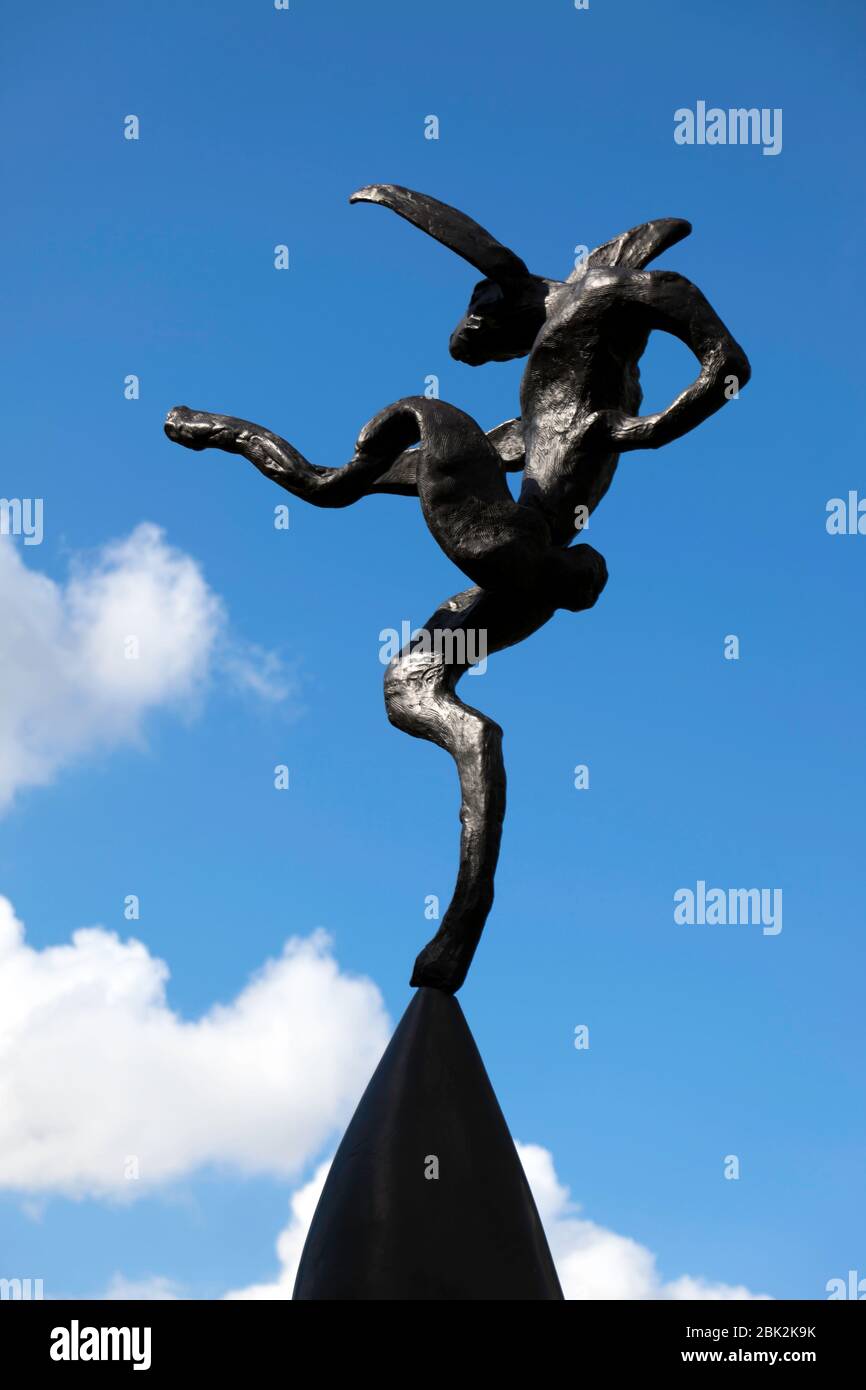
[{"x": 420, "y": 699}]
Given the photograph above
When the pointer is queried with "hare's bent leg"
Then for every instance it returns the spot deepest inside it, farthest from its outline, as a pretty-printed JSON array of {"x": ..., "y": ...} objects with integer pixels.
[
  {"x": 420, "y": 699},
  {"x": 464, "y": 496},
  {"x": 504, "y": 547}
]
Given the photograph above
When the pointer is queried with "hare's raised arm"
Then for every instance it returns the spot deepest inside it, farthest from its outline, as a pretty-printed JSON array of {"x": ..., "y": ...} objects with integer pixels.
[{"x": 671, "y": 304}]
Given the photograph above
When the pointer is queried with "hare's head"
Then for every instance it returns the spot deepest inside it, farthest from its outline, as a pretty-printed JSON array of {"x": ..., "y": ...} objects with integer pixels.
[
  {"x": 502, "y": 320},
  {"x": 509, "y": 306}
]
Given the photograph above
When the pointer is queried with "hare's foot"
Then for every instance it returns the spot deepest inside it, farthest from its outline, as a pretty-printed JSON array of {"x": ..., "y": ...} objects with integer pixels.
[{"x": 445, "y": 960}]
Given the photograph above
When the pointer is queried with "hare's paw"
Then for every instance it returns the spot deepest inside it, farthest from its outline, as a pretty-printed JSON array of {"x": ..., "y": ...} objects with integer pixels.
[{"x": 196, "y": 429}]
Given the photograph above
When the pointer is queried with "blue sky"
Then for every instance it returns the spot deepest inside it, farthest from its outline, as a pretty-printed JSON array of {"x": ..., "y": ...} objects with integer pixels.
[{"x": 155, "y": 257}]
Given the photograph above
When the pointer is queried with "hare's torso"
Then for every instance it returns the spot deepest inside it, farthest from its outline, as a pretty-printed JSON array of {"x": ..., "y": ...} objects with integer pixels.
[{"x": 585, "y": 359}]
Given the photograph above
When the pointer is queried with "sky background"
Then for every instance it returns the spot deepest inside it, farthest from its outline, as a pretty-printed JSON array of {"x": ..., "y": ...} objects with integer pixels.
[{"x": 156, "y": 257}]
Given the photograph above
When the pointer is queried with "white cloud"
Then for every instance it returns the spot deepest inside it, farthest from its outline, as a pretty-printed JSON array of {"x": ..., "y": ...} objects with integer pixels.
[
  {"x": 96, "y": 1070},
  {"x": 155, "y": 1290},
  {"x": 70, "y": 685},
  {"x": 591, "y": 1262},
  {"x": 290, "y": 1242}
]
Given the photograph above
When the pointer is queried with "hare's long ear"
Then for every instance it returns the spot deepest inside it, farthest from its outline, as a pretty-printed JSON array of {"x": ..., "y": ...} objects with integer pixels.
[
  {"x": 452, "y": 228},
  {"x": 637, "y": 247}
]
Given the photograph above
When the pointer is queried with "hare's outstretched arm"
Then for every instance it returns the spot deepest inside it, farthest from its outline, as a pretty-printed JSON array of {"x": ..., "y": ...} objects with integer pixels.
[
  {"x": 372, "y": 472},
  {"x": 281, "y": 462}
]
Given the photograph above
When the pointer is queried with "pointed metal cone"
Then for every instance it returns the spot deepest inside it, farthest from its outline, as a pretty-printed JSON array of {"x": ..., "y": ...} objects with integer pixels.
[{"x": 383, "y": 1229}]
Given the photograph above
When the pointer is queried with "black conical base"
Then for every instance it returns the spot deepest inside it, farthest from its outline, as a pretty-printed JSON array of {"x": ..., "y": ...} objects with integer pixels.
[{"x": 383, "y": 1229}]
